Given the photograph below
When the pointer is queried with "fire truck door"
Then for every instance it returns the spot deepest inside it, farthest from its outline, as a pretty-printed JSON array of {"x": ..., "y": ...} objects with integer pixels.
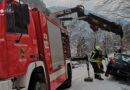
[{"x": 19, "y": 43}]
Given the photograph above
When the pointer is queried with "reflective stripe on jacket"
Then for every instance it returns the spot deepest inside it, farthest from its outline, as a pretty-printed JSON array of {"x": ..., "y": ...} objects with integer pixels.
[
  {"x": 95, "y": 60},
  {"x": 92, "y": 59}
]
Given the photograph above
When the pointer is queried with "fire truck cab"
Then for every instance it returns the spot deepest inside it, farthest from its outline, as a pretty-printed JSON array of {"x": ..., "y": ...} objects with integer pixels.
[{"x": 35, "y": 50}]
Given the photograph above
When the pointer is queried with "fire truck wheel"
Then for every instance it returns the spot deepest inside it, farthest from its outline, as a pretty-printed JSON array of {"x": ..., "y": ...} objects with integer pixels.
[
  {"x": 67, "y": 83},
  {"x": 69, "y": 80},
  {"x": 37, "y": 83},
  {"x": 38, "y": 86}
]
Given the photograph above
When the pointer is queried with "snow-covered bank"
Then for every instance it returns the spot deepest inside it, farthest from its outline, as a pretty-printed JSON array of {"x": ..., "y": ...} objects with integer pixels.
[{"x": 109, "y": 83}]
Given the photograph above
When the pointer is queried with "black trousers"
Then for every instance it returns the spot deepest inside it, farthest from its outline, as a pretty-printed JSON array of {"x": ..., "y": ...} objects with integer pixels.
[
  {"x": 96, "y": 69},
  {"x": 101, "y": 67}
]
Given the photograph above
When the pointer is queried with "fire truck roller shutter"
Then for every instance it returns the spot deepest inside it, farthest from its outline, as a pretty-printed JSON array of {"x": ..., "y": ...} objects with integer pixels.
[{"x": 56, "y": 45}]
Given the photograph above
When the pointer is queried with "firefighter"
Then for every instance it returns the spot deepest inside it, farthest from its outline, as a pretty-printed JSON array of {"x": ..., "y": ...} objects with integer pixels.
[
  {"x": 100, "y": 61},
  {"x": 94, "y": 60}
]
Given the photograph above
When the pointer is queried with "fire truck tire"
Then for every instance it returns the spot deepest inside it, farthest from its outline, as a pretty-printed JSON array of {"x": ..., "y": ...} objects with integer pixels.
[
  {"x": 69, "y": 80},
  {"x": 67, "y": 83},
  {"x": 37, "y": 83}
]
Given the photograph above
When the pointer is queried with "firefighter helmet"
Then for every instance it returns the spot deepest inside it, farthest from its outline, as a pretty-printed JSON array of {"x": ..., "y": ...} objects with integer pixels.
[{"x": 98, "y": 47}]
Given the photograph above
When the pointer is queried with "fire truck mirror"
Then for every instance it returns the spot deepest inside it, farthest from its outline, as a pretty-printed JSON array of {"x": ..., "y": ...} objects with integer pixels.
[{"x": 21, "y": 12}]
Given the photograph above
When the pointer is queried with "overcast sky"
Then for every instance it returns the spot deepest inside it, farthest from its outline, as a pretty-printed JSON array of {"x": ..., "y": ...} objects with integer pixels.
[{"x": 68, "y": 3}]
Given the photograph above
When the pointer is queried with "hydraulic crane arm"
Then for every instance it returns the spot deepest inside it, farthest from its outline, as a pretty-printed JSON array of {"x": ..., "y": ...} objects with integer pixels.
[
  {"x": 94, "y": 20},
  {"x": 78, "y": 9},
  {"x": 104, "y": 24}
]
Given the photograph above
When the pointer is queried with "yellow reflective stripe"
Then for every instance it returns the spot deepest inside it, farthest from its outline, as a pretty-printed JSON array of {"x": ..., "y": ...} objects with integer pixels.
[
  {"x": 94, "y": 60},
  {"x": 97, "y": 73},
  {"x": 93, "y": 54}
]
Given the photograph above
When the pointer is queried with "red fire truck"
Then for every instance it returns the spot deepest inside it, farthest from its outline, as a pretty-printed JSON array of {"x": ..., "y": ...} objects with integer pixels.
[{"x": 35, "y": 52}]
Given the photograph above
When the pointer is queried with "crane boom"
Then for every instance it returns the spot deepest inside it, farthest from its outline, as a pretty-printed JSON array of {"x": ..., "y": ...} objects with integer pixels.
[
  {"x": 78, "y": 9},
  {"x": 94, "y": 20}
]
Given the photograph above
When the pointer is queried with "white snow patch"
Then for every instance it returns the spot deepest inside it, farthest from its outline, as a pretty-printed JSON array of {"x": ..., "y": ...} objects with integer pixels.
[{"x": 109, "y": 83}]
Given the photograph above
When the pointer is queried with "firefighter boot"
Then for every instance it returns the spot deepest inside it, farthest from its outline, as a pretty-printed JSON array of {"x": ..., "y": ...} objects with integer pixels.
[{"x": 98, "y": 77}]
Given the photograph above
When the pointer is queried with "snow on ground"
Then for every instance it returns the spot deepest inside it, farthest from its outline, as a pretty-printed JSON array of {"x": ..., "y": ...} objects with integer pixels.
[{"x": 109, "y": 83}]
